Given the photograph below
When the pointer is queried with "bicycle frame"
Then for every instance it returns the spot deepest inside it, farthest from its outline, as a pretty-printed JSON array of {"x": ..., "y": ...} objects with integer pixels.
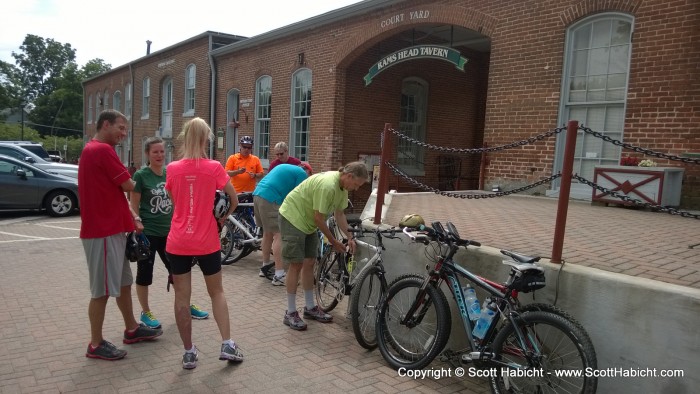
[{"x": 251, "y": 238}]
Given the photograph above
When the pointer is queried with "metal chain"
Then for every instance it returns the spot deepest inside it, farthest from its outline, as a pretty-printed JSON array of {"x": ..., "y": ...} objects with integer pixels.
[
  {"x": 623, "y": 197},
  {"x": 423, "y": 186},
  {"x": 635, "y": 148},
  {"x": 472, "y": 151}
]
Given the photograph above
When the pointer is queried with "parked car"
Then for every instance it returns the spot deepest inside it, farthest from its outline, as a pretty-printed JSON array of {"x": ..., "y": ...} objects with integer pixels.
[
  {"x": 56, "y": 156},
  {"x": 18, "y": 150},
  {"x": 27, "y": 187}
]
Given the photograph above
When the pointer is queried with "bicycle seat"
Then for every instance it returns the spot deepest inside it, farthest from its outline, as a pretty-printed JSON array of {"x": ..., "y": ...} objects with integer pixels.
[
  {"x": 245, "y": 197},
  {"x": 521, "y": 258},
  {"x": 353, "y": 221}
]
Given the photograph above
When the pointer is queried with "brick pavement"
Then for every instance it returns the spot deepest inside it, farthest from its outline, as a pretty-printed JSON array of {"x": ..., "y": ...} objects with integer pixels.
[
  {"x": 44, "y": 332},
  {"x": 635, "y": 242}
]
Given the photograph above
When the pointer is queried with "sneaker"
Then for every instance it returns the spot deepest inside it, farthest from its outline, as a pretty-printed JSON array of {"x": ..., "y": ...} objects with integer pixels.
[
  {"x": 278, "y": 280},
  {"x": 149, "y": 320},
  {"x": 189, "y": 359},
  {"x": 142, "y": 333},
  {"x": 198, "y": 313},
  {"x": 294, "y": 321},
  {"x": 265, "y": 270},
  {"x": 106, "y": 351},
  {"x": 317, "y": 314},
  {"x": 231, "y": 352}
]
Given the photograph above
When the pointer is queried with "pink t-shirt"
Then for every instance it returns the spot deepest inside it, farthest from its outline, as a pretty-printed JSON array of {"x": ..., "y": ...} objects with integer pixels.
[
  {"x": 104, "y": 210},
  {"x": 191, "y": 184}
]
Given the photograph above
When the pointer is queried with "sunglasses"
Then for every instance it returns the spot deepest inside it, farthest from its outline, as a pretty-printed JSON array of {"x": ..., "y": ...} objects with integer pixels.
[{"x": 246, "y": 146}]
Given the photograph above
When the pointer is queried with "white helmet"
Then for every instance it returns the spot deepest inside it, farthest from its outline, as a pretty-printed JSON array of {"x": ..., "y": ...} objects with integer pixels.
[{"x": 222, "y": 203}]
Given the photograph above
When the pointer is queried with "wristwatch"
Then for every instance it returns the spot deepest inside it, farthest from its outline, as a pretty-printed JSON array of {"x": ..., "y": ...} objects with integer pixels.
[{"x": 137, "y": 219}]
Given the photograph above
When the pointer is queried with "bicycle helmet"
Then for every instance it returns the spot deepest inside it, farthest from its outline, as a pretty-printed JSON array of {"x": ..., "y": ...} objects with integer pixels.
[
  {"x": 247, "y": 140},
  {"x": 222, "y": 203},
  {"x": 411, "y": 220},
  {"x": 137, "y": 247}
]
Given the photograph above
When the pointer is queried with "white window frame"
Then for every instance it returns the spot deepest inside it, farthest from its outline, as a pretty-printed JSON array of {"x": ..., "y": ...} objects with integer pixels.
[
  {"x": 127, "y": 100},
  {"x": 117, "y": 101},
  {"x": 300, "y": 122},
  {"x": 146, "y": 94},
  {"x": 90, "y": 109},
  {"x": 263, "y": 115},
  {"x": 190, "y": 89},
  {"x": 167, "y": 108},
  {"x": 587, "y": 95},
  {"x": 412, "y": 122}
]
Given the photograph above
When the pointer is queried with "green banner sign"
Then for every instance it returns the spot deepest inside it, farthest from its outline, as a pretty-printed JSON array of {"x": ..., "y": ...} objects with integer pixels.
[{"x": 416, "y": 52}]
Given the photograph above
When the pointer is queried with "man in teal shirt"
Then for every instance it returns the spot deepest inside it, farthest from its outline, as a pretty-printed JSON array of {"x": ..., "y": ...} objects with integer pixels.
[
  {"x": 267, "y": 198},
  {"x": 304, "y": 210}
]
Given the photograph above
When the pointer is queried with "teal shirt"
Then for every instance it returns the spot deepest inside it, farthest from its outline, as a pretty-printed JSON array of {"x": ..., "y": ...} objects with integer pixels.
[
  {"x": 320, "y": 192},
  {"x": 156, "y": 207}
]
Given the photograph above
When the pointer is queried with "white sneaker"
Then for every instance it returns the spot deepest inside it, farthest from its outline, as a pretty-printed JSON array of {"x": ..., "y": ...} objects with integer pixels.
[{"x": 278, "y": 280}]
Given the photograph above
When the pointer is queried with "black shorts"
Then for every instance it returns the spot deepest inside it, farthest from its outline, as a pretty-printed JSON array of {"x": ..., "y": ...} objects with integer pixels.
[{"x": 210, "y": 264}]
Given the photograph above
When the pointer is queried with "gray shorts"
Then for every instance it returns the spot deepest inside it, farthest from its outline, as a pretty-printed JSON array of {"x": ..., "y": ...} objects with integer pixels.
[
  {"x": 297, "y": 245},
  {"x": 266, "y": 214},
  {"x": 108, "y": 267}
]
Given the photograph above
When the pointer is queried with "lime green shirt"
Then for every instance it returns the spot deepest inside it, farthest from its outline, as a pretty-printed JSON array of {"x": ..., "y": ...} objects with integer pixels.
[
  {"x": 320, "y": 192},
  {"x": 156, "y": 207}
]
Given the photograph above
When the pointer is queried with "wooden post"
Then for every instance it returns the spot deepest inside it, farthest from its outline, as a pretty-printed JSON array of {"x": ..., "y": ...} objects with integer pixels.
[
  {"x": 383, "y": 186},
  {"x": 564, "y": 190}
]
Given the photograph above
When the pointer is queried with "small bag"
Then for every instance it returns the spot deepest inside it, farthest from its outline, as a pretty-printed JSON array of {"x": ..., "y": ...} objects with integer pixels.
[{"x": 137, "y": 247}]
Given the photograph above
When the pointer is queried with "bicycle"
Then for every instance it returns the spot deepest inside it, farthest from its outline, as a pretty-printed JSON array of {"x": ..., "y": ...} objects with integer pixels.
[
  {"x": 365, "y": 284},
  {"x": 239, "y": 235},
  {"x": 523, "y": 348}
]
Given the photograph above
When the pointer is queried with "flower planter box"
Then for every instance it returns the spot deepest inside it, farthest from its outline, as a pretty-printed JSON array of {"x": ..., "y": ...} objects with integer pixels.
[{"x": 653, "y": 185}]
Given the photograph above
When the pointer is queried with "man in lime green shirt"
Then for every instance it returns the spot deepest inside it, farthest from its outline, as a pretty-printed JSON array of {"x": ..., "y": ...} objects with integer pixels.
[{"x": 304, "y": 210}]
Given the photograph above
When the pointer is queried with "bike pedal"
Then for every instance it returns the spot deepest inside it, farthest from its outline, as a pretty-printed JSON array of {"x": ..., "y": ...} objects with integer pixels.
[{"x": 466, "y": 359}]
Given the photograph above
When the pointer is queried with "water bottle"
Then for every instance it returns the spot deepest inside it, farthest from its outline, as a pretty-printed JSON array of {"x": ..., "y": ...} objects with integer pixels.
[
  {"x": 485, "y": 319},
  {"x": 472, "y": 303},
  {"x": 351, "y": 263}
]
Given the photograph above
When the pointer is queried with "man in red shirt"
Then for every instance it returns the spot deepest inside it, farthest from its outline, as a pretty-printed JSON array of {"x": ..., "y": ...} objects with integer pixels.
[
  {"x": 105, "y": 218},
  {"x": 244, "y": 168},
  {"x": 282, "y": 154}
]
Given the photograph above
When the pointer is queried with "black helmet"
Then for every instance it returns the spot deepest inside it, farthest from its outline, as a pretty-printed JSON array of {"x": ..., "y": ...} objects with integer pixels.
[
  {"x": 247, "y": 140},
  {"x": 137, "y": 247},
  {"x": 222, "y": 203},
  {"x": 412, "y": 220}
]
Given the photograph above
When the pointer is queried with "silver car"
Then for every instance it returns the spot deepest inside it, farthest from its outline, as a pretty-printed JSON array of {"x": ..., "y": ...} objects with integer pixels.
[
  {"x": 19, "y": 152},
  {"x": 23, "y": 186}
]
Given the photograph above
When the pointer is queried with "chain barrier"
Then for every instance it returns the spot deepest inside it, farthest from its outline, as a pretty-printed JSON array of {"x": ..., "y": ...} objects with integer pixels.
[
  {"x": 635, "y": 148},
  {"x": 423, "y": 186},
  {"x": 623, "y": 197},
  {"x": 472, "y": 151}
]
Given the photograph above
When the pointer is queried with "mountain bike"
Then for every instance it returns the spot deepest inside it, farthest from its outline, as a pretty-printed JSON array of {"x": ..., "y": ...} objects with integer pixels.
[
  {"x": 337, "y": 275},
  {"x": 240, "y": 235},
  {"x": 524, "y": 349}
]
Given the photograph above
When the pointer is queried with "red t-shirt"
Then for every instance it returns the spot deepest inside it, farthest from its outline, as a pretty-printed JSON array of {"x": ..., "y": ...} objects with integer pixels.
[
  {"x": 290, "y": 160},
  {"x": 191, "y": 184},
  {"x": 104, "y": 210}
]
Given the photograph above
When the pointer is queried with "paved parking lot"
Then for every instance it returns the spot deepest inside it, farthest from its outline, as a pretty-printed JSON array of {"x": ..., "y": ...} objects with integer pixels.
[{"x": 44, "y": 332}]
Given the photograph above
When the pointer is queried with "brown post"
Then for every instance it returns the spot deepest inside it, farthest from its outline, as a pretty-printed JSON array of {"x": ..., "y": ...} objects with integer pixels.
[
  {"x": 564, "y": 190},
  {"x": 383, "y": 185}
]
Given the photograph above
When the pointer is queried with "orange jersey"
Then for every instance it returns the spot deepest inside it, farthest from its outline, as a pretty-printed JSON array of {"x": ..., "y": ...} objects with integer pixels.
[{"x": 243, "y": 182}]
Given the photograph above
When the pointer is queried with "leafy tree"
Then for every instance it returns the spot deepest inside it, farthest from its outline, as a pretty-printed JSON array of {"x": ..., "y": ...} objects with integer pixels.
[{"x": 95, "y": 67}]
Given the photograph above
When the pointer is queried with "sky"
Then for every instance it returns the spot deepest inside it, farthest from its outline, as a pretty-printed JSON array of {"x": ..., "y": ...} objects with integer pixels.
[{"x": 116, "y": 32}]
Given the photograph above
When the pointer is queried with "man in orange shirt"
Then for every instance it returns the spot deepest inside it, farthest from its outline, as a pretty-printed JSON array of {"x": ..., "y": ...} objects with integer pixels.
[{"x": 244, "y": 168}]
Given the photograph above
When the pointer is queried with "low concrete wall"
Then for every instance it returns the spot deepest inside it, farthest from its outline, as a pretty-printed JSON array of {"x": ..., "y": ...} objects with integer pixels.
[{"x": 634, "y": 323}]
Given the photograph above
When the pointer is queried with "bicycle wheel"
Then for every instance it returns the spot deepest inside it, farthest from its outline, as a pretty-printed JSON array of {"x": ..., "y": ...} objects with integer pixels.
[
  {"x": 413, "y": 345},
  {"x": 238, "y": 248},
  {"x": 550, "y": 344},
  {"x": 329, "y": 284},
  {"x": 226, "y": 240},
  {"x": 541, "y": 307}
]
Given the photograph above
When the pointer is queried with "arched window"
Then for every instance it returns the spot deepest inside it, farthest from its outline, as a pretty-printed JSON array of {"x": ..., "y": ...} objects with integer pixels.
[
  {"x": 167, "y": 106},
  {"x": 414, "y": 106},
  {"x": 301, "y": 114},
  {"x": 106, "y": 99},
  {"x": 596, "y": 64},
  {"x": 190, "y": 83},
  {"x": 127, "y": 100},
  {"x": 117, "y": 101},
  {"x": 263, "y": 115}
]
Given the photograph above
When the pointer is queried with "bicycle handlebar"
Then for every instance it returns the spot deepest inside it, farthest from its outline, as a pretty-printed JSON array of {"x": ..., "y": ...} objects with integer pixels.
[{"x": 427, "y": 234}]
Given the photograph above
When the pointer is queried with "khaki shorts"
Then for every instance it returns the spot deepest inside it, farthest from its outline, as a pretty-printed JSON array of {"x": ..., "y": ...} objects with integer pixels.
[
  {"x": 266, "y": 214},
  {"x": 297, "y": 245},
  {"x": 108, "y": 268}
]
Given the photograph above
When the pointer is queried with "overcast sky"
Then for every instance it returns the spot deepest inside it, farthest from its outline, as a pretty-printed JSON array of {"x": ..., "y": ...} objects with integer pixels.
[{"x": 116, "y": 32}]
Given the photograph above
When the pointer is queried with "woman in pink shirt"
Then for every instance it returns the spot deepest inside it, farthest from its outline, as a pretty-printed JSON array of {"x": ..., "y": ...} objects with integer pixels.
[{"x": 191, "y": 183}]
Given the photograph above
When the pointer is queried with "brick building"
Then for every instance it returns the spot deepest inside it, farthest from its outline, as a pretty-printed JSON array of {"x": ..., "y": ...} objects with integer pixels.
[{"x": 462, "y": 74}]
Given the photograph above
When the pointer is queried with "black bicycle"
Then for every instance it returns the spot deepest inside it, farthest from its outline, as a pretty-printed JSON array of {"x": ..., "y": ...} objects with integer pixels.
[{"x": 529, "y": 349}]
